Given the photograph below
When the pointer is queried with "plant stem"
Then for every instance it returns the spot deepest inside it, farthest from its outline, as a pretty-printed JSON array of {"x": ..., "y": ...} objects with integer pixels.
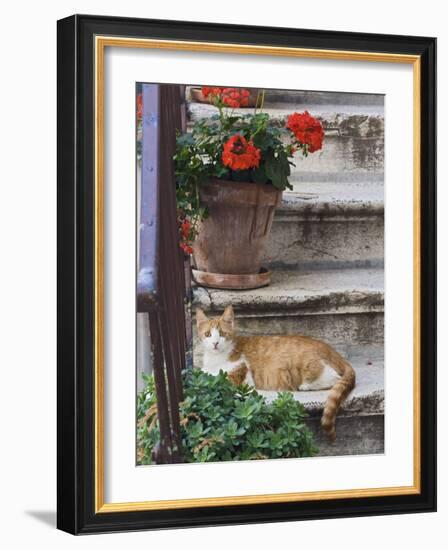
[
  {"x": 256, "y": 102},
  {"x": 263, "y": 92}
]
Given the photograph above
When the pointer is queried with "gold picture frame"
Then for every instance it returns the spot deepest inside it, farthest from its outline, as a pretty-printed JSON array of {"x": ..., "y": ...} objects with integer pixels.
[{"x": 97, "y": 37}]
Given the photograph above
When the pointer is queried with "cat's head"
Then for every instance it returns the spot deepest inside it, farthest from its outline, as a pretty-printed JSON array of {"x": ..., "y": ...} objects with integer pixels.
[{"x": 216, "y": 333}]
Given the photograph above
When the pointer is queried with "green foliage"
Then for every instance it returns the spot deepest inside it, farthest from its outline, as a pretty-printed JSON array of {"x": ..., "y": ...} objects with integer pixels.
[{"x": 221, "y": 421}]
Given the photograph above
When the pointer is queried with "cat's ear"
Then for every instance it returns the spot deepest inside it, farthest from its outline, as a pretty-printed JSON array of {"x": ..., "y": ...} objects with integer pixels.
[
  {"x": 201, "y": 317},
  {"x": 228, "y": 316}
]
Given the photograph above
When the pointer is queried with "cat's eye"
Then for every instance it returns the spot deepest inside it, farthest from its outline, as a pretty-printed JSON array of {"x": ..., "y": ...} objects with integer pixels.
[{"x": 208, "y": 334}]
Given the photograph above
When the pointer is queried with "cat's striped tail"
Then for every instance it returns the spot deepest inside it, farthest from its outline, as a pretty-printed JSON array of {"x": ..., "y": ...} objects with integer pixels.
[{"x": 337, "y": 394}]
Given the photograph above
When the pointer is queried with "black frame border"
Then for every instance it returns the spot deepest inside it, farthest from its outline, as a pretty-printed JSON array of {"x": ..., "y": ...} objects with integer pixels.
[{"x": 75, "y": 272}]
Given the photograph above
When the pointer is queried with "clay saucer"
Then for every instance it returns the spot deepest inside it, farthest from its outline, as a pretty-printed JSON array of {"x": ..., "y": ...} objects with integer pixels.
[{"x": 227, "y": 281}]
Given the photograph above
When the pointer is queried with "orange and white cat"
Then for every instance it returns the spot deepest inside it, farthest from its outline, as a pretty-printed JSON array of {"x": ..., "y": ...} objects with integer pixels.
[{"x": 282, "y": 363}]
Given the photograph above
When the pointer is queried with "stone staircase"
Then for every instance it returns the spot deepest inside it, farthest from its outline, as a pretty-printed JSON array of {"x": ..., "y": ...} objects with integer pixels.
[{"x": 326, "y": 255}]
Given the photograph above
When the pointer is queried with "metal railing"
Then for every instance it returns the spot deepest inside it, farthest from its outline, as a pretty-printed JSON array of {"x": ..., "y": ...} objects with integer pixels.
[{"x": 161, "y": 283}]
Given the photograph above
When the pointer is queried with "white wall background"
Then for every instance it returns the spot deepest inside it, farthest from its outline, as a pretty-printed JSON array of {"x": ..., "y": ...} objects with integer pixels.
[{"x": 28, "y": 272}]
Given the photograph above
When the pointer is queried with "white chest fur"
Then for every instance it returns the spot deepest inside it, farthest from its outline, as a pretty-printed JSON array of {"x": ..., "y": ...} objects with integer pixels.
[{"x": 213, "y": 362}]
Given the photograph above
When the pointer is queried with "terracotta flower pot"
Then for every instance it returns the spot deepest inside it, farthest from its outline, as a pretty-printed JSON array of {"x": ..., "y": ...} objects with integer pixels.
[
  {"x": 197, "y": 97},
  {"x": 232, "y": 240}
]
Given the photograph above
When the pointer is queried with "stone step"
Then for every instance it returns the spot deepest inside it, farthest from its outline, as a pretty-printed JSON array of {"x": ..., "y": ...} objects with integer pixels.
[
  {"x": 341, "y": 307},
  {"x": 342, "y": 159},
  {"x": 355, "y": 435},
  {"x": 324, "y": 225},
  {"x": 341, "y": 120},
  {"x": 313, "y": 97}
]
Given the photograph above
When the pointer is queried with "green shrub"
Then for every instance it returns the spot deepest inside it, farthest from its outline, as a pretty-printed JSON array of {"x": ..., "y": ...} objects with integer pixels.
[{"x": 221, "y": 421}]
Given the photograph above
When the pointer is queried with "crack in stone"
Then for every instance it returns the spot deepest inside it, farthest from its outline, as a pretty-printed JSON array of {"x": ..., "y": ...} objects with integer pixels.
[{"x": 312, "y": 249}]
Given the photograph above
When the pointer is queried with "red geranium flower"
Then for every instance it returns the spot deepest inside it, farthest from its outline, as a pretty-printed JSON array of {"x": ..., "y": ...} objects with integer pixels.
[
  {"x": 185, "y": 228},
  {"x": 209, "y": 90},
  {"x": 235, "y": 97},
  {"x": 307, "y": 130},
  {"x": 139, "y": 106},
  {"x": 239, "y": 154},
  {"x": 185, "y": 235},
  {"x": 186, "y": 248}
]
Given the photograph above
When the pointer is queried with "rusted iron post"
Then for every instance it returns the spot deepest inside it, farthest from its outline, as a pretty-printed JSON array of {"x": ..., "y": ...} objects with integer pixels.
[{"x": 161, "y": 285}]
